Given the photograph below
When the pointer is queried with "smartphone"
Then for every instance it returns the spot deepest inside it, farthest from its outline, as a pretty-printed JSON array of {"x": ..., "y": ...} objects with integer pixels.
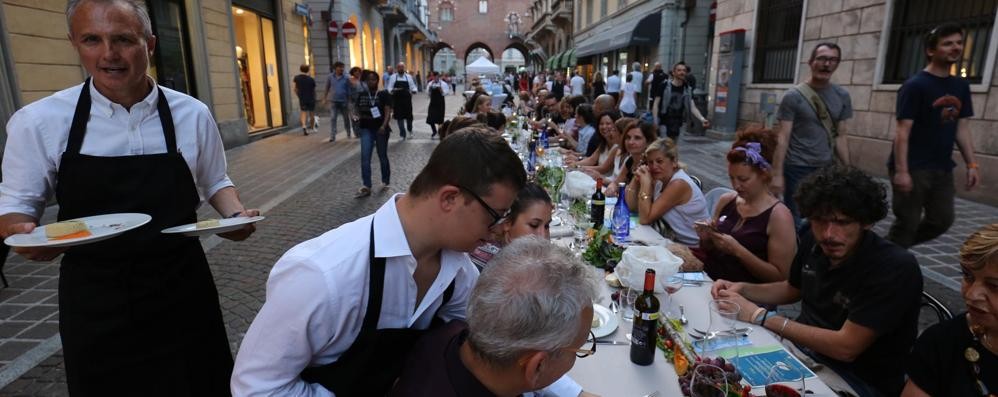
[{"x": 704, "y": 225}]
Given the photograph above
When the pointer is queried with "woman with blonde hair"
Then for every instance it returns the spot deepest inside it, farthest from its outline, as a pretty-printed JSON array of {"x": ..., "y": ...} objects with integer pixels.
[
  {"x": 959, "y": 357},
  {"x": 665, "y": 197}
]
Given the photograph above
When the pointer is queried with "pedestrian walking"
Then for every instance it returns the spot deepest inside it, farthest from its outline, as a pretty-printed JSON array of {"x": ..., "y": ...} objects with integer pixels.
[
  {"x": 338, "y": 88},
  {"x": 811, "y": 130},
  {"x": 628, "y": 101},
  {"x": 613, "y": 85},
  {"x": 402, "y": 86},
  {"x": 304, "y": 86},
  {"x": 933, "y": 109},
  {"x": 578, "y": 84},
  {"x": 638, "y": 78},
  {"x": 599, "y": 86},
  {"x": 676, "y": 102},
  {"x": 138, "y": 313},
  {"x": 437, "y": 91},
  {"x": 654, "y": 83},
  {"x": 371, "y": 112}
]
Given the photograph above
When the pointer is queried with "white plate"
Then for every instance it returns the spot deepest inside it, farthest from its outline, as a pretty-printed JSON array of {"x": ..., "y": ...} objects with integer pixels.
[
  {"x": 224, "y": 225},
  {"x": 607, "y": 321},
  {"x": 102, "y": 227}
]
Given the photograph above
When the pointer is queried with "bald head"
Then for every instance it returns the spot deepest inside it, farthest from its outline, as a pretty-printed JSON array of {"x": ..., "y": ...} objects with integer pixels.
[
  {"x": 603, "y": 103},
  {"x": 400, "y": 68}
]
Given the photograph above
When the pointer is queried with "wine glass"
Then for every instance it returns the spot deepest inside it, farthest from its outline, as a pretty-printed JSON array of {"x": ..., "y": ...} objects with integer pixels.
[
  {"x": 708, "y": 381},
  {"x": 671, "y": 285},
  {"x": 785, "y": 380}
]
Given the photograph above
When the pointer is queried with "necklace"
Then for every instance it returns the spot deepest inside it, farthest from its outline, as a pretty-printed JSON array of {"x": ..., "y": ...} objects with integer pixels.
[{"x": 973, "y": 357}]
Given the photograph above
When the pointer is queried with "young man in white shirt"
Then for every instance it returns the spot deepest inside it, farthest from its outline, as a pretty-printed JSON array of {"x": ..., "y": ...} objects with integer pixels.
[
  {"x": 613, "y": 85},
  {"x": 332, "y": 340},
  {"x": 578, "y": 83}
]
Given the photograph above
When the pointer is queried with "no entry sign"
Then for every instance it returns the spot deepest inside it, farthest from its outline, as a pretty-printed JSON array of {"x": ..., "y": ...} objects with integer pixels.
[
  {"x": 333, "y": 29},
  {"x": 349, "y": 30}
]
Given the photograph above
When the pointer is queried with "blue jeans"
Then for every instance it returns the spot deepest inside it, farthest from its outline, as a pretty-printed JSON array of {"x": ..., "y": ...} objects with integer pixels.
[
  {"x": 339, "y": 109},
  {"x": 368, "y": 140},
  {"x": 792, "y": 176}
]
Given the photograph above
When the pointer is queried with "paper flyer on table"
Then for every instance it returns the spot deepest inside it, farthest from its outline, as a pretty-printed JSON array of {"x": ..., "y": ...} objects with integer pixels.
[{"x": 755, "y": 363}]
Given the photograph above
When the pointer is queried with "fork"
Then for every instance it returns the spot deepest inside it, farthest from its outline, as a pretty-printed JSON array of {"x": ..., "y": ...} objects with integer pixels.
[{"x": 652, "y": 394}]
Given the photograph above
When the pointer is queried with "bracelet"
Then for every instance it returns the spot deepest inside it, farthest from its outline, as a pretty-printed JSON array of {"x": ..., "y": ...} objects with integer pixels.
[
  {"x": 786, "y": 320},
  {"x": 764, "y": 315},
  {"x": 235, "y": 215},
  {"x": 971, "y": 166},
  {"x": 756, "y": 315}
]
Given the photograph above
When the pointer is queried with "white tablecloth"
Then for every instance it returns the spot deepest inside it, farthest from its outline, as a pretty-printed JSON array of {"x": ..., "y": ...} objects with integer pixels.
[{"x": 610, "y": 371}]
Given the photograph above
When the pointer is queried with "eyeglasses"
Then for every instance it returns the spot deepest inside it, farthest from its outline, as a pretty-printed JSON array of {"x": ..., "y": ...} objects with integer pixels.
[
  {"x": 497, "y": 218},
  {"x": 586, "y": 352},
  {"x": 828, "y": 60}
]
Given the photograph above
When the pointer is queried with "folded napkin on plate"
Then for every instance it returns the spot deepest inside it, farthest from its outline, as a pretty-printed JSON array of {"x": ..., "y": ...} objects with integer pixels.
[{"x": 561, "y": 231}]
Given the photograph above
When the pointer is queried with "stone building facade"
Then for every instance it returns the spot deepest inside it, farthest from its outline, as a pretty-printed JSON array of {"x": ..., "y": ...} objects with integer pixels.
[
  {"x": 466, "y": 25},
  {"x": 880, "y": 41}
]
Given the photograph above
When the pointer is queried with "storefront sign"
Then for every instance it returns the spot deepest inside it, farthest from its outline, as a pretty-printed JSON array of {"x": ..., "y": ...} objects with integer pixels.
[
  {"x": 333, "y": 29},
  {"x": 349, "y": 30}
]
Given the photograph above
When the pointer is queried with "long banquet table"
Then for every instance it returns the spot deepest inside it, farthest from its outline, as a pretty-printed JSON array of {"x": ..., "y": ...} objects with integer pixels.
[{"x": 610, "y": 372}]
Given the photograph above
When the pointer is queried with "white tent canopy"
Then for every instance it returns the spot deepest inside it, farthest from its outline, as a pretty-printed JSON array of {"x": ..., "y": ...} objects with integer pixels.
[{"x": 482, "y": 66}]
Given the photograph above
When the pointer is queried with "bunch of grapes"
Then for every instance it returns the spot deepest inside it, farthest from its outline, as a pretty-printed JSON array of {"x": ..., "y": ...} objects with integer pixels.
[{"x": 724, "y": 372}]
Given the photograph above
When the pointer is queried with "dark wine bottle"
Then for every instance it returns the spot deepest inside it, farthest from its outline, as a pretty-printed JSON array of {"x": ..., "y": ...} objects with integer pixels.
[
  {"x": 598, "y": 206},
  {"x": 645, "y": 332}
]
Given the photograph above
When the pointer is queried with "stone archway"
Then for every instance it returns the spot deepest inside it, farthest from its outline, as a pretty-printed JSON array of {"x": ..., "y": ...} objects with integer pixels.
[
  {"x": 443, "y": 58},
  {"x": 478, "y": 45}
]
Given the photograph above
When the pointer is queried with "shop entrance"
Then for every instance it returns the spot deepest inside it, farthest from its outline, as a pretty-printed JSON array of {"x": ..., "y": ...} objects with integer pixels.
[{"x": 259, "y": 74}]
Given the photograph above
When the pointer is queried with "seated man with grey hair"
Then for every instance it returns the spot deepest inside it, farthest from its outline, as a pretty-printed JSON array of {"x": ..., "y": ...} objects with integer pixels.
[{"x": 528, "y": 319}]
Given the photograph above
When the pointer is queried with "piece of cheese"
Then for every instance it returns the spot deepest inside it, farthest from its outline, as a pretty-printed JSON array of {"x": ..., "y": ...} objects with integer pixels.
[
  {"x": 207, "y": 223},
  {"x": 64, "y": 228}
]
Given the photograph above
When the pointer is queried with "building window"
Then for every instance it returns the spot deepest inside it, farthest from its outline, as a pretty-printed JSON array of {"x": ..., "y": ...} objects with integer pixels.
[
  {"x": 171, "y": 64},
  {"x": 913, "y": 19},
  {"x": 602, "y": 9},
  {"x": 446, "y": 11},
  {"x": 483, "y": 6},
  {"x": 777, "y": 33},
  {"x": 589, "y": 12}
]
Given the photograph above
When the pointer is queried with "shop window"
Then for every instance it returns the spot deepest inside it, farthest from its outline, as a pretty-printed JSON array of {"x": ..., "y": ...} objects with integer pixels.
[
  {"x": 776, "y": 37},
  {"x": 171, "y": 63},
  {"x": 483, "y": 6},
  {"x": 259, "y": 72},
  {"x": 912, "y": 20}
]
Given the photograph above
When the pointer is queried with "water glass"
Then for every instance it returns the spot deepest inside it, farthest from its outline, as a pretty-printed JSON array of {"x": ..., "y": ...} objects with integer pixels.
[
  {"x": 723, "y": 317},
  {"x": 628, "y": 296},
  {"x": 785, "y": 381}
]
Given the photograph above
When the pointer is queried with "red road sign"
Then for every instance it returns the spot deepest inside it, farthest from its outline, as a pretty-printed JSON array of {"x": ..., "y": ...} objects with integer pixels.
[
  {"x": 333, "y": 29},
  {"x": 349, "y": 30}
]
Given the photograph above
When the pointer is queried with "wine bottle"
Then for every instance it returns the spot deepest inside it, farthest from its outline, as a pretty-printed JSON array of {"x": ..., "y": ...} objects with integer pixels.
[
  {"x": 621, "y": 225},
  {"x": 598, "y": 206},
  {"x": 645, "y": 332}
]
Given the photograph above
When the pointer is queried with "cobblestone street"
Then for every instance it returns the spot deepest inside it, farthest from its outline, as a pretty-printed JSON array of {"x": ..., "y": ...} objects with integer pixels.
[{"x": 305, "y": 187}]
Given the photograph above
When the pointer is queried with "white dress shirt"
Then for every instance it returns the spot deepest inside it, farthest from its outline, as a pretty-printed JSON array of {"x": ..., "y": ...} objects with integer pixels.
[
  {"x": 613, "y": 84},
  {"x": 578, "y": 83},
  {"x": 317, "y": 299},
  {"x": 637, "y": 77},
  {"x": 37, "y": 135},
  {"x": 444, "y": 87}
]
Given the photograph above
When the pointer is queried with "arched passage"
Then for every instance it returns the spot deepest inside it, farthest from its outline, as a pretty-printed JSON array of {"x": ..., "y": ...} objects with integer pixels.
[
  {"x": 444, "y": 59},
  {"x": 470, "y": 55},
  {"x": 514, "y": 56}
]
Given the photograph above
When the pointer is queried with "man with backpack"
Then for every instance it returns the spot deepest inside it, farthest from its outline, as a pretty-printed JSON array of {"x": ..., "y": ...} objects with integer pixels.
[{"x": 671, "y": 107}]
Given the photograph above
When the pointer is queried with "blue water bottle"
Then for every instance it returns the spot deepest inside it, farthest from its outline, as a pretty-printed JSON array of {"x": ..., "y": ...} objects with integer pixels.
[
  {"x": 532, "y": 157},
  {"x": 544, "y": 138},
  {"x": 621, "y": 216}
]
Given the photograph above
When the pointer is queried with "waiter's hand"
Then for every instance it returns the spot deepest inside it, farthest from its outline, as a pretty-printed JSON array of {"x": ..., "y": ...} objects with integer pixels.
[
  {"x": 247, "y": 229},
  {"x": 41, "y": 254}
]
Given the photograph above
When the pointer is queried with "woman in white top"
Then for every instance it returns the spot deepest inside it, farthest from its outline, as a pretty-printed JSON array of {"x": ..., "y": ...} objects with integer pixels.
[
  {"x": 628, "y": 104},
  {"x": 665, "y": 196}
]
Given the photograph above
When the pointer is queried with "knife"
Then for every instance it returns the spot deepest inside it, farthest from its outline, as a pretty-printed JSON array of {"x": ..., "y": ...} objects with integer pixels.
[{"x": 611, "y": 342}]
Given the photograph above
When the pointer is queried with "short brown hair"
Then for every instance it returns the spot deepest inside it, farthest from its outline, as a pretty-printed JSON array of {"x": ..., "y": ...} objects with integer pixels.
[
  {"x": 981, "y": 248},
  {"x": 303, "y": 68},
  {"x": 474, "y": 158}
]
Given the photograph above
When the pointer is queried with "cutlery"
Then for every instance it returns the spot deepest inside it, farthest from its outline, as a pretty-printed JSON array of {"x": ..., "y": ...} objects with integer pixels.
[
  {"x": 682, "y": 315},
  {"x": 652, "y": 394},
  {"x": 611, "y": 342},
  {"x": 745, "y": 330}
]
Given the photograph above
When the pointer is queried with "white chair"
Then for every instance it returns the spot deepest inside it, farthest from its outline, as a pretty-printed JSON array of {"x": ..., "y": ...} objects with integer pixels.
[{"x": 713, "y": 196}]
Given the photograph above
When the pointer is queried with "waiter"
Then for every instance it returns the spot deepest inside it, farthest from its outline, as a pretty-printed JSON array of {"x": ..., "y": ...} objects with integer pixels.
[
  {"x": 402, "y": 87},
  {"x": 139, "y": 313}
]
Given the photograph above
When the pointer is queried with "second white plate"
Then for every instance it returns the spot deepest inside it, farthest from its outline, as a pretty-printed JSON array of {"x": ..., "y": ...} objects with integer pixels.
[
  {"x": 224, "y": 225},
  {"x": 608, "y": 321}
]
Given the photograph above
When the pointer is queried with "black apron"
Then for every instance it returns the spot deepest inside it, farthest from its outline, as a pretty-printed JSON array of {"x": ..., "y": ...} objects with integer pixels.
[
  {"x": 138, "y": 313},
  {"x": 374, "y": 361},
  {"x": 435, "y": 112},
  {"x": 401, "y": 99}
]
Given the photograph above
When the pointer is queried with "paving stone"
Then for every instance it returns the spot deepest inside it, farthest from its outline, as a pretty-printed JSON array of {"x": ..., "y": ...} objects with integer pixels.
[
  {"x": 12, "y": 349},
  {"x": 35, "y": 313},
  {"x": 8, "y": 329}
]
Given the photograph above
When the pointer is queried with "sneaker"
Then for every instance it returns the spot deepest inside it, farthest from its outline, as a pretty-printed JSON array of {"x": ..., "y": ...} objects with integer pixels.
[
  {"x": 304, "y": 131},
  {"x": 363, "y": 192},
  {"x": 330, "y": 139},
  {"x": 385, "y": 187}
]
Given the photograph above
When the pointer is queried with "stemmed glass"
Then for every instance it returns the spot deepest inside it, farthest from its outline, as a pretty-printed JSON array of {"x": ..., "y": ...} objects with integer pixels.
[
  {"x": 671, "y": 285},
  {"x": 708, "y": 381},
  {"x": 723, "y": 315},
  {"x": 785, "y": 380}
]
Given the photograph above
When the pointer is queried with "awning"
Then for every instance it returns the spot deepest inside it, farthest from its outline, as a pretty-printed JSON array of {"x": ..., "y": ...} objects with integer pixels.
[
  {"x": 636, "y": 32},
  {"x": 568, "y": 59},
  {"x": 550, "y": 62}
]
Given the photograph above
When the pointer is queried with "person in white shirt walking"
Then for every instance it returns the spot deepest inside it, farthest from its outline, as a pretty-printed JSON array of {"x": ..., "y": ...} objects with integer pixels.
[
  {"x": 578, "y": 83},
  {"x": 638, "y": 78},
  {"x": 402, "y": 87},
  {"x": 138, "y": 313},
  {"x": 613, "y": 85}
]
